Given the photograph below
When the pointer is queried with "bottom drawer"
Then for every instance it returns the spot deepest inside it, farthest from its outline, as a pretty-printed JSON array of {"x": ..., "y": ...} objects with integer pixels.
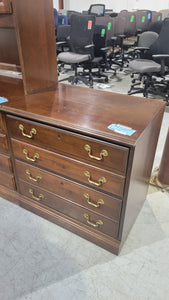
[
  {"x": 7, "y": 180},
  {"x": 70, "y": 209}
]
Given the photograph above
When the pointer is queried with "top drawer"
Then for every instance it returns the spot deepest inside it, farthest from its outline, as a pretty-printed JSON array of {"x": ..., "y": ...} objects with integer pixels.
[{"x": 100, "y": 153}]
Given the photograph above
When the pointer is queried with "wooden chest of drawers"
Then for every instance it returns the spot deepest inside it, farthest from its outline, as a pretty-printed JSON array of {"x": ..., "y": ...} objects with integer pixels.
[{"x": 71, "y": 169}]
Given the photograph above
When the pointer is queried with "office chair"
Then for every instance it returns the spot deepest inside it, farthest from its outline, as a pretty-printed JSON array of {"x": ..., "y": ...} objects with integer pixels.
[
  {"x": 118, "y": 56},
  {"x": 97, "y": 9},
  {"x": 100, "y": 52},
  {"x": 99, "y": 61},
  {"x": 153, "y": 72},
  {"x": 129, "y": 29},
  {"x": 81, "y": 46}
]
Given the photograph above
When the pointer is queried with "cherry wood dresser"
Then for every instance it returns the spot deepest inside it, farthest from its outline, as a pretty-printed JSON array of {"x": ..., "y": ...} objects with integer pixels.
[{"x": 60, "y": 160}]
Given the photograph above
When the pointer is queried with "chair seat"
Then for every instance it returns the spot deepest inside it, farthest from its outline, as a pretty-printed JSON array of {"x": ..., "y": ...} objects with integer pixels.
[
  {"x": 144, "y": 66},
  {"x": 73, "y": 58}
]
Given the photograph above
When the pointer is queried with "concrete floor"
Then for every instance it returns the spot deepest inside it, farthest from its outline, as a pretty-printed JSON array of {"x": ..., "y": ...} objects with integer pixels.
[{"x": 42, "y": 261}]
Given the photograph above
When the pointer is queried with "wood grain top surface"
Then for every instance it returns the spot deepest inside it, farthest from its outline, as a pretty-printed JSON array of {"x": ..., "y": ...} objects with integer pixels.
[{"x": 84, "y": 110}]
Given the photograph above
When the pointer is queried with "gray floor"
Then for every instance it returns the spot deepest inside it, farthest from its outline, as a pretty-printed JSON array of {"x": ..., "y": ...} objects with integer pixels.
[{"x": 39, "y": 260}]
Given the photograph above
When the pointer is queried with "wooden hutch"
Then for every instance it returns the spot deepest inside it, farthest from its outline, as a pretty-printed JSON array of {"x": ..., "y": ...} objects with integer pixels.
[{"x": 58, "y": 158}]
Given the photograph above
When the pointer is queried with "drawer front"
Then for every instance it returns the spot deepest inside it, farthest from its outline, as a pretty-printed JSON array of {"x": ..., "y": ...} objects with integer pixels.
[
  {"x": 87, "y": 217},
  {"x": 99, "y": 153},
  {"x": 7, "y": 180},
  {"x": 3, "y": 144},
  {"x": 5, "y": 164},
  {"x": 82, "y": 195},
  {"x": 82, "y": 172}
]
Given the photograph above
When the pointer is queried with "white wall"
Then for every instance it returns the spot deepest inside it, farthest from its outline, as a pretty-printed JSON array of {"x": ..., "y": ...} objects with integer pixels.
[
  {"x": 117, "y": 5},
  {"x": 55, "y": 4}
]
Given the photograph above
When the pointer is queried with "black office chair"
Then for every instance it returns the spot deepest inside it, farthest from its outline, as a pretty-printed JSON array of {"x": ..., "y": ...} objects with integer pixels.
[
  {"x": 97, "y": 9},
  {"x": 153, "y": 72},
  {"x": 81, "y": 46}
]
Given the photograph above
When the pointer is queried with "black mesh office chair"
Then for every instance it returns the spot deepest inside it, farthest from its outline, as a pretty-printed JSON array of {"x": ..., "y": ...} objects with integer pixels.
[
  {"x": 81, "y": 45},
  {"x": 97, "y": 9},
  {"x": 153, "y": 72}
]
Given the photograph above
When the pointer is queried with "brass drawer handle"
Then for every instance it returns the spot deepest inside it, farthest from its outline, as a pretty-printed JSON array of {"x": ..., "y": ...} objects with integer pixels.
[
  {"x": 38, "y": 177},
  {"x": 35, "y": 157},
  {"x": 101, "y": 180},
  {"x": 34, "y": 197},
  {"x": 33, "y": 131},
  {"x": 99, "y": 202},
  {"x": 99, "y": 222},
  {"x": 102, "y": 153}
]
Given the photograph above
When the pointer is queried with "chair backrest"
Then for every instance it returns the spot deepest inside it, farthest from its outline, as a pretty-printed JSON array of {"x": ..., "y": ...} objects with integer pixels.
[
  {"x": 62, "y": 20},
  {"x": 156, "y": 16},
  {"x": 130, "y": 23},
  {"x": 119, "y": 25},
  {"x": 161, "y": 45},
  {"x": 81, "y": 33},
  {"x": 147, "y": 38},
  {"x": 143, "y": 19},
  {"x": 97, "y": 9},
  {"x": 63, "y": 32},
  {"x": 70, "y": 13},
  {"x": 109, "y": 23},
  {"x": 99, "y": 39}
]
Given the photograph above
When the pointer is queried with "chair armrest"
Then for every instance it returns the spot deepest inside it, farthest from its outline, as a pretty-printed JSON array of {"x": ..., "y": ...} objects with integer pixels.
[
  {"x": 122, "y": 36},
  {"x": 160, "y": 55},
  {"x": 89, "y": 46},
  {"x": 61, "y": 43},
  {"x": 141, "y": 48},
  {"x": 105, "y": 49},
  {"x": 162, "y": 61},
  {"x": 114, "y": 38}
]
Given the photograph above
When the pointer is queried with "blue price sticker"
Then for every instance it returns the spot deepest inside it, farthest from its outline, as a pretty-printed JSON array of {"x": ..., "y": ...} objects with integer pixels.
[
  {"x": 121, "y": 129},
  {"x": 3, "y": 100}
]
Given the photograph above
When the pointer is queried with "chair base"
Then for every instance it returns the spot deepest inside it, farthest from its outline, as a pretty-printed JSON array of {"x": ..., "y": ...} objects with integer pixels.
[{"x": 148, "y": 85}]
